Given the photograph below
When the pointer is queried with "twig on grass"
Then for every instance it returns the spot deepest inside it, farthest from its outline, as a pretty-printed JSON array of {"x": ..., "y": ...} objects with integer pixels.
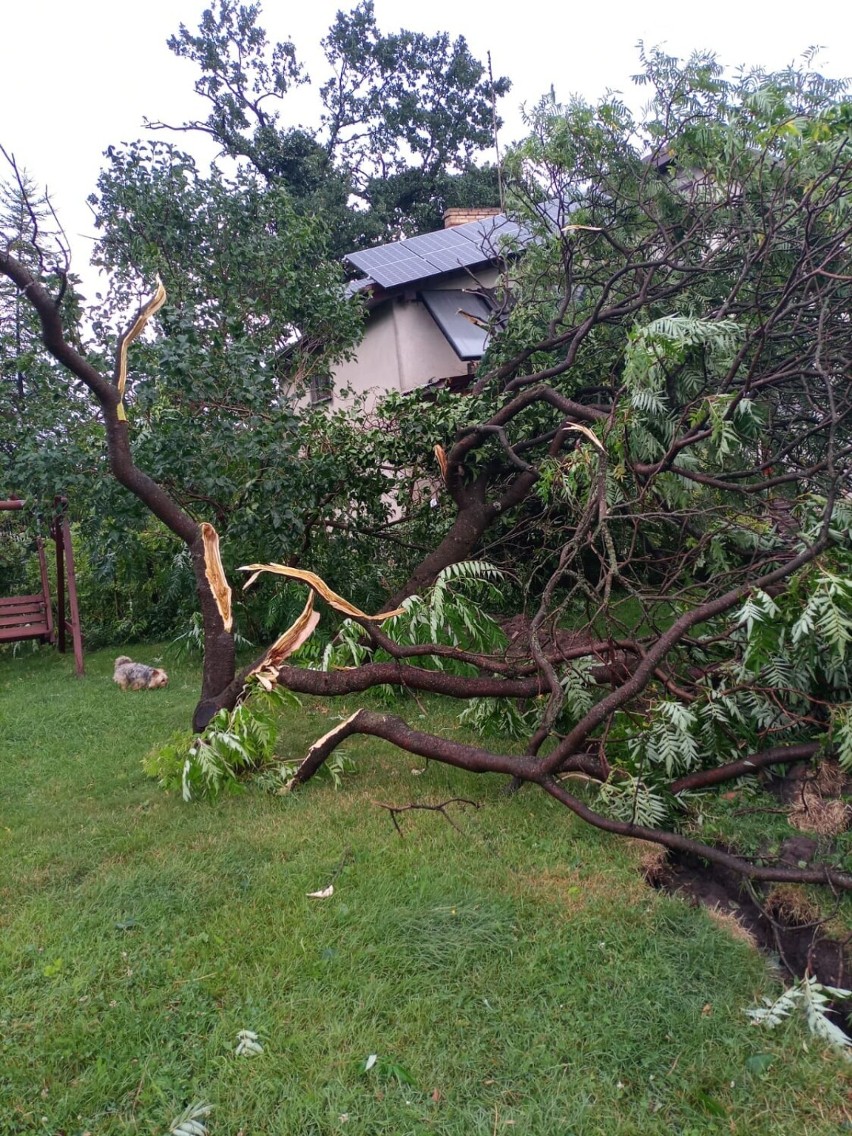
[
  {"x": 394, "y": 810},
  {"x": 328, "y": 890}
]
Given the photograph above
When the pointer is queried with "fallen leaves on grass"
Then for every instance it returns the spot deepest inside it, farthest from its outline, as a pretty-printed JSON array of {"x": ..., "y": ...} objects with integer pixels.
[
  {"x": 190, "y": 1122},
  {"x": 248, "y": 1044}
]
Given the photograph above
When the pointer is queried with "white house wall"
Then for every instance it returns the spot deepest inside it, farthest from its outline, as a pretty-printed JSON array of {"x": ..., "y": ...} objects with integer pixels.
[
  {"x": 423, "y": 353},
  {"x": 375, "y": 367},
  {"x": 403, "y": 348}
]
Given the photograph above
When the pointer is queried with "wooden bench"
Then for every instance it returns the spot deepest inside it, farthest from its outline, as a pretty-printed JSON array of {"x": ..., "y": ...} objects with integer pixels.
[{"x": 25, "y": 617}]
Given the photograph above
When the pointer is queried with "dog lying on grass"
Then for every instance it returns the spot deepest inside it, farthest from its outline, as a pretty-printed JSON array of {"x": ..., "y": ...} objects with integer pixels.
[{"x": 137, "y": 676}]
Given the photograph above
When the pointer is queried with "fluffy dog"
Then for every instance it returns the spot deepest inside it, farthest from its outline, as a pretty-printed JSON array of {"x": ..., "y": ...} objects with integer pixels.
[{"x": 137, "y": 676}]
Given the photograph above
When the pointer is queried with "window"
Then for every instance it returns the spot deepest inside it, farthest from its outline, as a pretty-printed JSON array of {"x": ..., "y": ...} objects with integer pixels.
[{"x": 322, "y": 389}]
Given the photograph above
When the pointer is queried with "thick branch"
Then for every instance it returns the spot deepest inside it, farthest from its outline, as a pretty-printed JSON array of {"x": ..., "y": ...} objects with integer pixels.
[
  {"x": 478, "y": 760},
  {"x": 779, "y": 755},
  {"x": 820, "y": 875}
]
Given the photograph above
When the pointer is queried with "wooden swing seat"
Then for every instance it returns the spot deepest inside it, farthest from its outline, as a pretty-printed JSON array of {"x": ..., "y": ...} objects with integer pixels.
[{"x": 24, "y": 617}]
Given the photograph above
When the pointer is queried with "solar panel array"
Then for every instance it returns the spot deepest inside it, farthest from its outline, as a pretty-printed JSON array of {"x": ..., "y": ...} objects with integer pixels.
[{"x": 434, "y": 254}]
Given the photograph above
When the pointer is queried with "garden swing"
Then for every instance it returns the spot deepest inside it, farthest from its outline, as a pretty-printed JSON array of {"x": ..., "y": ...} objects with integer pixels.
[{"x": 31, "y": 616}]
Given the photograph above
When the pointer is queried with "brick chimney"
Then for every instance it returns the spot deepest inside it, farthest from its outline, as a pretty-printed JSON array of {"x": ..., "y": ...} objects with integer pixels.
[{"x": 461, "y": 216}]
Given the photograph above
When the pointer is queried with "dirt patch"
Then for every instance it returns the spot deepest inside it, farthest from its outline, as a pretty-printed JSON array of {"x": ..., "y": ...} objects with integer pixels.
[{"x": 782, "y": 921}]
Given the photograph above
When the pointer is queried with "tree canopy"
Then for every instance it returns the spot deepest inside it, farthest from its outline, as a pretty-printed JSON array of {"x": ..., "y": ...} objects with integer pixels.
[{"x": 404, "y": 118}]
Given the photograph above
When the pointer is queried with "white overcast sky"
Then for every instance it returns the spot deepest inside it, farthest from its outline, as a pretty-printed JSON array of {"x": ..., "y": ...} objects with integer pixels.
[{"x": 79, "y": 75}]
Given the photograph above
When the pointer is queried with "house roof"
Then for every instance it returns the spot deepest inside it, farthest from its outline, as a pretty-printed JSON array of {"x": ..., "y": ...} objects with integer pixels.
[
  {"x": 463, "y": 317},
  {"x": 408, "y": 261},
  {"x": 435, "y": 254}
]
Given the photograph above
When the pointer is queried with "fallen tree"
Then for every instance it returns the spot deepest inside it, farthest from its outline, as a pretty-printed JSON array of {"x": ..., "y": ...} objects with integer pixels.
[{"x": 663, "y": 423}]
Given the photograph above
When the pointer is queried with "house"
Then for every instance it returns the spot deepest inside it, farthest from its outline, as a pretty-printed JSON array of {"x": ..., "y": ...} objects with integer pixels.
[{"x": 428, "y": 307}]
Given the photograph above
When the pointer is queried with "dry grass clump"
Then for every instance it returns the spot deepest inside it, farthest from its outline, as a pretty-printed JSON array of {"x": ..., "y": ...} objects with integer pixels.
[
  {"x": 729, "y": 923},
  {"x": 830, "y": 778},
  {"x": 652, "y": 861},
  {"x": 791, "y": 905},
  {"x": 814, "y": 813},
  {"x": 818, "y": 807}
]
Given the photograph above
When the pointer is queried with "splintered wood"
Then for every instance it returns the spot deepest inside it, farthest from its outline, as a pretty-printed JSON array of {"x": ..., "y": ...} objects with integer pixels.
[
  {"x": 215, "y": 574},
  {"x": 266, "y": 672},
  {"x": 135, "y": 329},
  {"x": 320, "y": 587},
  {"x": 441, "y": 458}
]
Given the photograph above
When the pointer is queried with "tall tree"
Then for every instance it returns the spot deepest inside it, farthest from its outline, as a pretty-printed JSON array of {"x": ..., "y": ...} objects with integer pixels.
[
  {"x": 404, "y": 117},
  {"x": 255, "y": 319},
  {"x": 43, "y": 434}
]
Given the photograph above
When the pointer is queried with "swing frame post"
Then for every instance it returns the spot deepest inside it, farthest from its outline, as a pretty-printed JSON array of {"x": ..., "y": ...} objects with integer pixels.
[{"x": 61, "y": 533}]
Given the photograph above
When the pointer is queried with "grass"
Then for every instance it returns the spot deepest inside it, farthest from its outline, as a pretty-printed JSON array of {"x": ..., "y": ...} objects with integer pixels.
[{"x": 513, "y": 977}]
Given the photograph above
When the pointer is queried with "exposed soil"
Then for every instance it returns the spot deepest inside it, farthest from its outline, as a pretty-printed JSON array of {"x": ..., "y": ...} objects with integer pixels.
[{"x": 782, "y": 923}]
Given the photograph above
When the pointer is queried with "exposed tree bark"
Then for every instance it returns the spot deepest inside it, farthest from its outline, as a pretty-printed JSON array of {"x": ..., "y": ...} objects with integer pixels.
[
  {"x": 477, "y": 760},
  {"x": 778, "y": 755},
  {"x": 473, "y": 517}
]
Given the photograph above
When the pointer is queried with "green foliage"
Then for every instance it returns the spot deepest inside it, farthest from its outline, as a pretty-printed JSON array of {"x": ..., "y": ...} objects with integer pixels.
[
  {"x": 190, "y": 642},
  {"x": 192, "y": 1121},
  {"x": 404, "y": 116},
  {"x": 630, "y": 799},
  {"x": 450, "y": 614},
  {"x": 215, "y": 388},
  {"x": 841, "y": 734},
  {"x": 277, "y": 778},
  {"x": 814, "y": 1001},
  {"x": 498, "y": 717},
  {"x": 577, "y": 680},
  {"x": 777, "y": 682},
  {"x": 255, "y": 312},
  {"x": 46, "y": 440},
  {"x": 18, "y": 562},
  {"x": 668, "y": 742},
  {"x": 236, "y": 745}
]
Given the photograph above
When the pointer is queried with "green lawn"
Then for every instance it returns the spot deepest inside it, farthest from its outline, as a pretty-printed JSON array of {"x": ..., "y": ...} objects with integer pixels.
[{"x": 514, "y": 977}]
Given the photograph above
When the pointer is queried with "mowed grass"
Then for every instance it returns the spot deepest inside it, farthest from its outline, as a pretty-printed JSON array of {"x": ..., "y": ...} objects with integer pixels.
[{"x": 516, "y": 976}]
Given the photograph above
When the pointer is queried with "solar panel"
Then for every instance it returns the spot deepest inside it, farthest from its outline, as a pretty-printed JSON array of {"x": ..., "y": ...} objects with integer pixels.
[
  {"x": 450, "y": 308},
  {"x": 450, "y": 259},
  {"x": 434, "y": 242},
  {"x": 353, "y": 287},
  {"x": 493, "y": 234},
  {"x": 419, "y": 258},
  {"x": 403, "y": 271},
  {"x": 447, "y": 250}
]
